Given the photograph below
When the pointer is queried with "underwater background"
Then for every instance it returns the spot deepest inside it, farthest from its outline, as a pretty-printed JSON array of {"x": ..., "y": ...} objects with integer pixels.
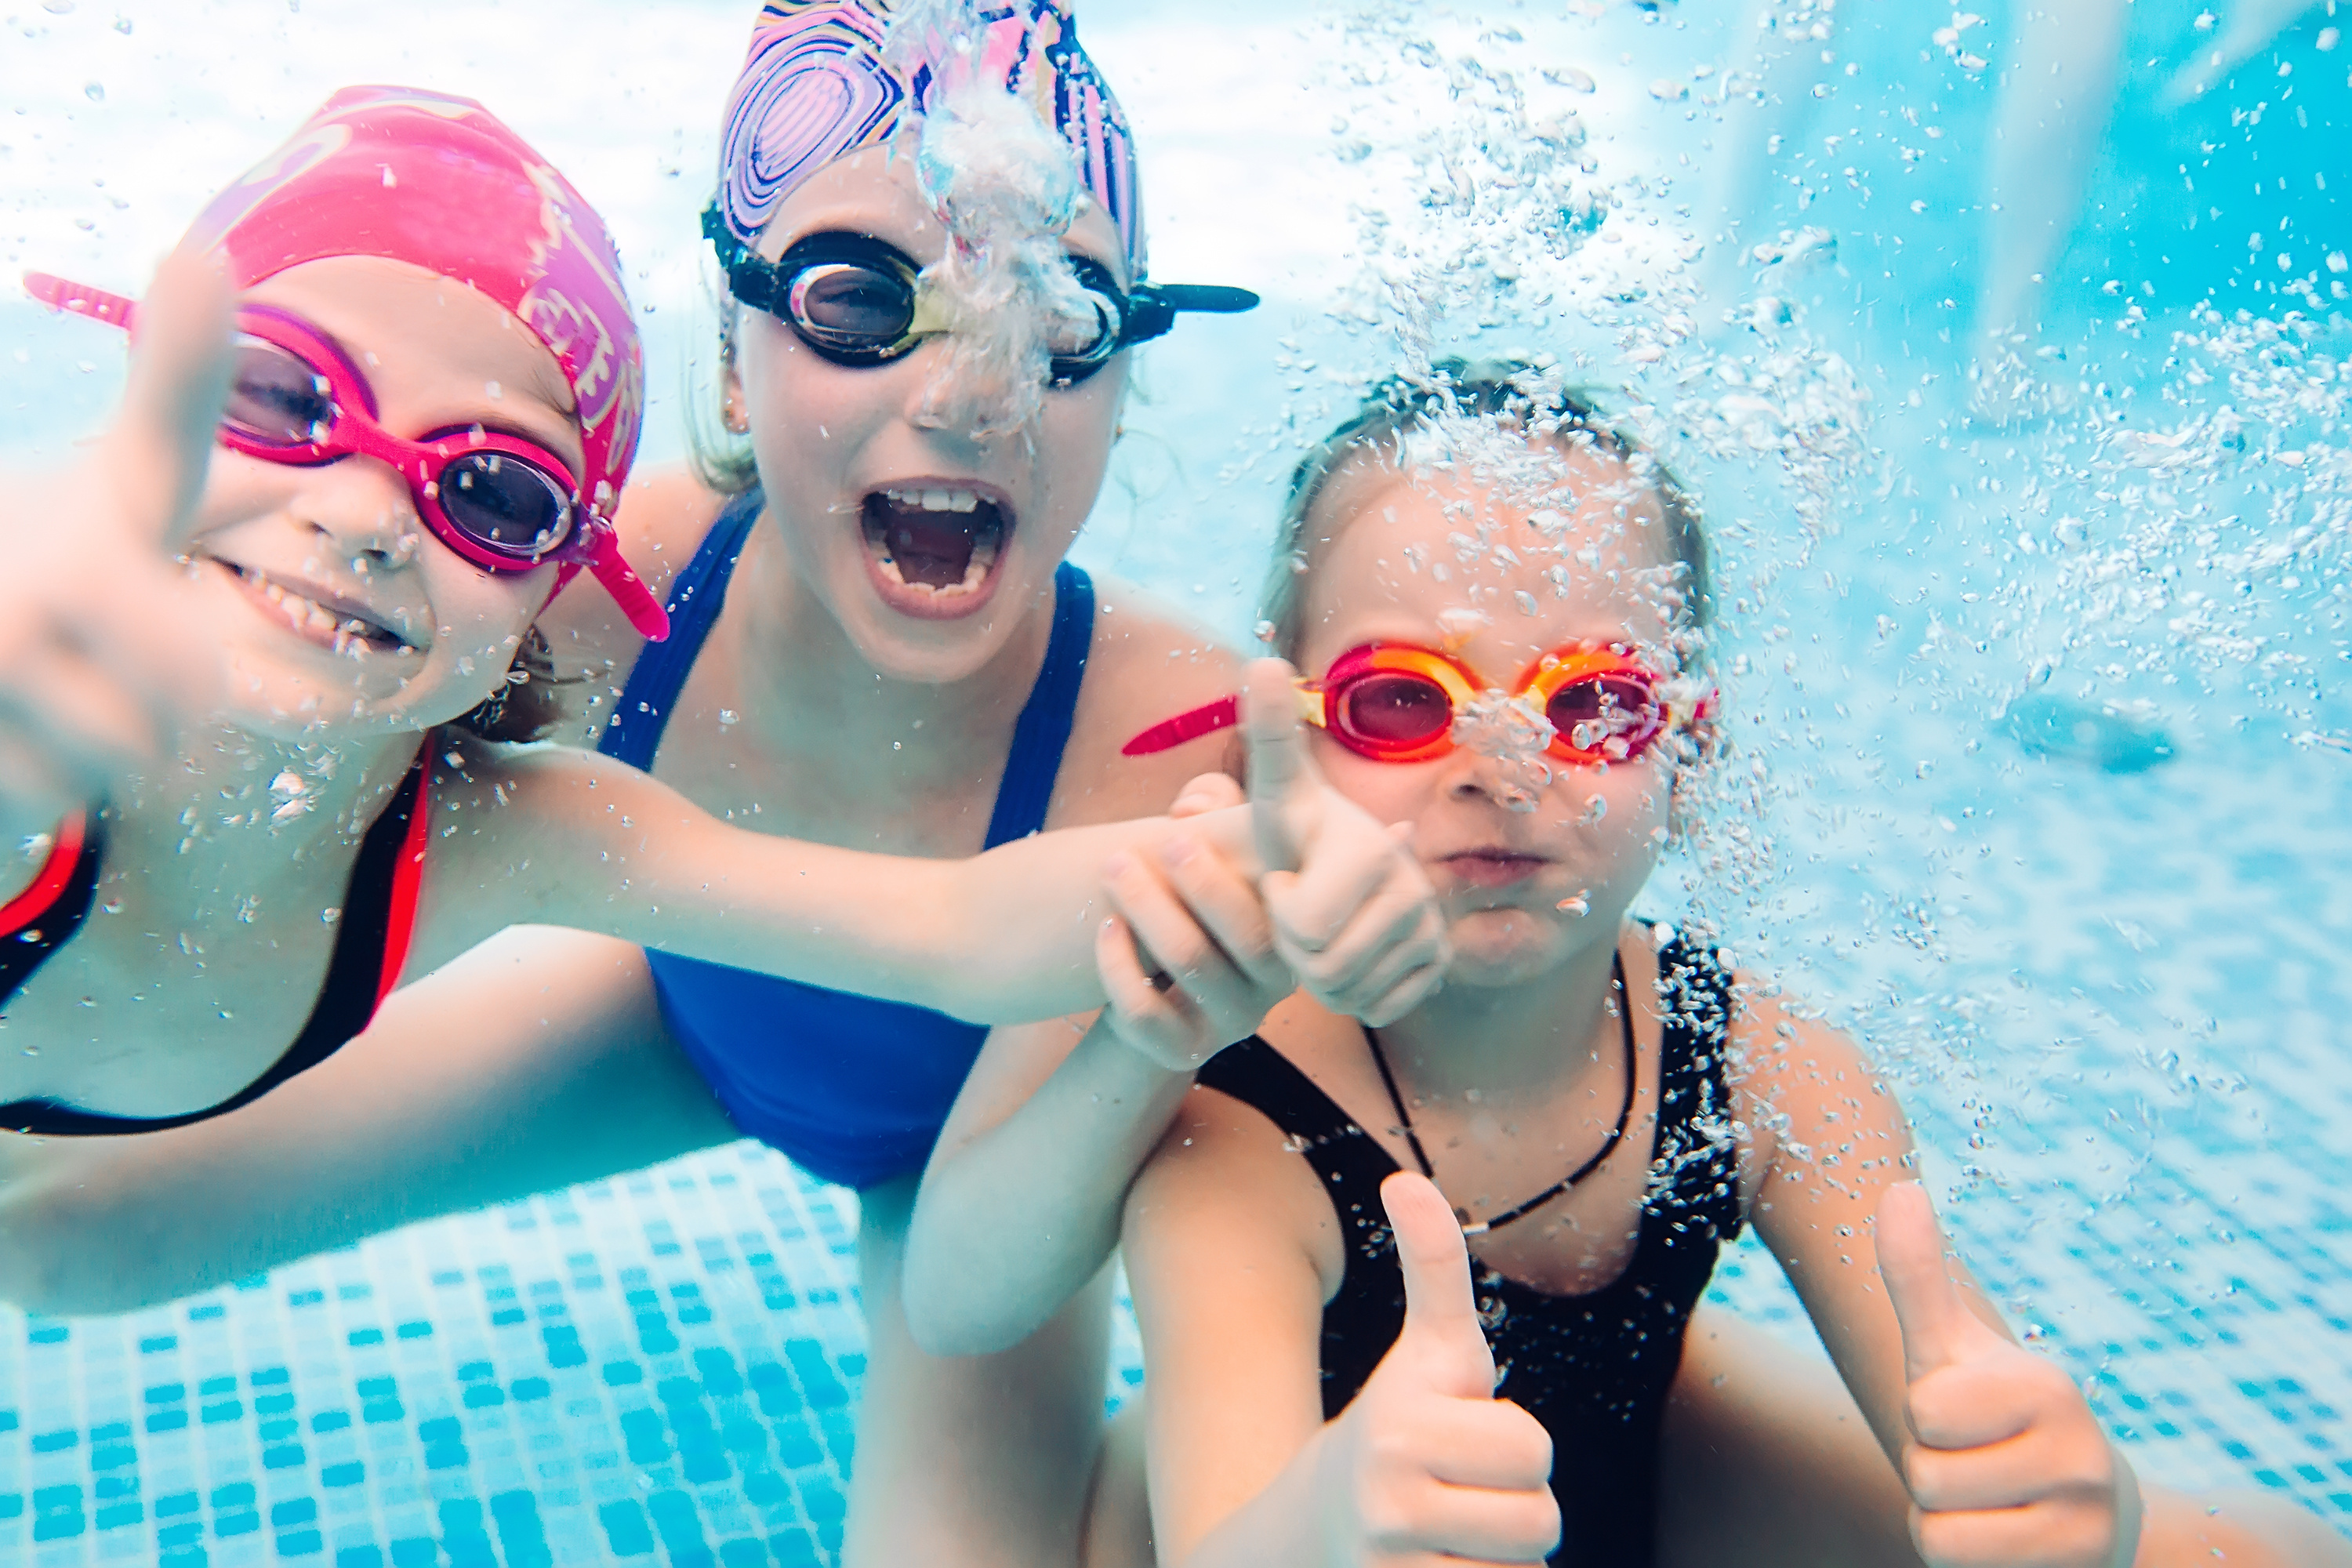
[{"x": 2039, "y": 766}]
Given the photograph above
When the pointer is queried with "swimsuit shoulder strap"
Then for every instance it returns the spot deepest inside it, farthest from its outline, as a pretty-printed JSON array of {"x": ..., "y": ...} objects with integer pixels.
[
  {"x": 1696, "y": 1137},
  {"x": 633, "y": 733},
  {"x": 1042, "y": 732},
  {"x": 45, "y": 916},
  {"x": 374, "y": 920},
  {"x": 1262, "y": 1077}
]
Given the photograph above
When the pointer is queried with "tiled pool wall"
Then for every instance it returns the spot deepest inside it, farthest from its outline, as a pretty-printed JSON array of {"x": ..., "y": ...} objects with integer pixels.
[{"x": 661, "y": 1368}]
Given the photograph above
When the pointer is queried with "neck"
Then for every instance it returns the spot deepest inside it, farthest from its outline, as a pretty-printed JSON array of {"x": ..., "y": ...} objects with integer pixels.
[
  {"x": 234, "y": 789},
  {"x": 808, "y": 691},
  {"x": 1532, "y": 1037}
]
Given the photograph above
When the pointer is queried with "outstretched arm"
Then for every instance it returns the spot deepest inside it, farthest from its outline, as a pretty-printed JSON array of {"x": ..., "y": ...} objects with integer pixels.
[
  {"x": 554, "y": 837},
  {"x": 535, "y": 1061}
]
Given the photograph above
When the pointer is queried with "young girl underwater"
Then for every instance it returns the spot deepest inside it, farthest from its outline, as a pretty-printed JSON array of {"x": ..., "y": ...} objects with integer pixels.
[
  {"x": 1494, "y": 599},
  {"x": 878, "y": 645}
]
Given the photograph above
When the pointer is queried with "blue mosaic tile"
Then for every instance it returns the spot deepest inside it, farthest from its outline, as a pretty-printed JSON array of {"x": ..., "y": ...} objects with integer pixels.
[{"x": 577, "y": 1394}]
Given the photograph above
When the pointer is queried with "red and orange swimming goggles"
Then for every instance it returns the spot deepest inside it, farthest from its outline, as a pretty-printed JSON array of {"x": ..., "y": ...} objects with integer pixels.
[{"x": 1396, "y": 704}]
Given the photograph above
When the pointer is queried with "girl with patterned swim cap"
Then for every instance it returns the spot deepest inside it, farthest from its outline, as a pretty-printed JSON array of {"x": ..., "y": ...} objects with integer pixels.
[{"x": 876, "y": 644}]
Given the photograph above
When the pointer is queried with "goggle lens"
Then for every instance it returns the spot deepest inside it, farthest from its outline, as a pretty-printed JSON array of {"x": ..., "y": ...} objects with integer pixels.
[
  {"x": 1391, "y": 710},
  {"x": 274, "y": 398},
  {"x": 506, "y": 504},
  {"x": 851, "y": 308},
  {"x": 1606, "y": 715}
]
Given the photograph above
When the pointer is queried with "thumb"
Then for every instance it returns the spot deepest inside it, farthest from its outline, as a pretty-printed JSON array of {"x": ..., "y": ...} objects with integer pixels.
[
  {"x": 1282, "y": 776},
  {"x": 155, "y": 455},
  {"x": 1938, "y": 1327},
  {"x": 1441, "y": 1317}
]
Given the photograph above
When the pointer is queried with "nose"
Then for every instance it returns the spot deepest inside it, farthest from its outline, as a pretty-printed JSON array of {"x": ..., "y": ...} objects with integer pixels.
[
  {"x": 362, "y": 511},
  {"x": 1508, "y": 782},
  {"x": 971, "y": 385}
]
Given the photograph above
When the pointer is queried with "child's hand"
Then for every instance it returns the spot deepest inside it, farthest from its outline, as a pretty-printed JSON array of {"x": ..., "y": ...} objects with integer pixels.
[
  {"x": 1354, "y": 916},
  {"x": 2007, "y": 1466},
  {"x": 100, "y": 650},
  {"x": 1425, "y": 1462},
  {"x": 1188, "y": 963},
  {"x": 1203, "y": 921}
]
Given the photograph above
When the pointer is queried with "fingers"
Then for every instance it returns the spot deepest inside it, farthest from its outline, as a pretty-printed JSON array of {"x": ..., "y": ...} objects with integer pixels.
[
  {"x": 1206, "y": 928},
  {"x": 1516, "y": 1527},
  {"x": 1230, "y": 909},
  {"x": 1410, "y": 991},
  {"x": 1487, "y": 1444},
  {"x": 1391, "y": 935},
  {"x": 1443, "y": 1342},
  {"x": 71, "y": 725},
  {"x": 1163, "y": 1025},
  {"x": 156, "y": 453},
  {"x": 1320, "y": 901},
  {"x": 2053, "y": 1535},
  {"x": 1935, "y": 1321},
  {"x": 2001, "y": 1474},
  {"x": 1205, "y": 792},
  {"x": 1989, "y": 1398},
  {"x": 1190, "y": 968},
  {"x": 1282, "y": 776}
]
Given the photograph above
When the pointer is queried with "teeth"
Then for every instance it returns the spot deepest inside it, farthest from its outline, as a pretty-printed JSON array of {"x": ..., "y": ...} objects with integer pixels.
[
  {"x": 935, "y": 499},
  {"x": 303, "y": 614},
  {"x": 975, "y": 572}
]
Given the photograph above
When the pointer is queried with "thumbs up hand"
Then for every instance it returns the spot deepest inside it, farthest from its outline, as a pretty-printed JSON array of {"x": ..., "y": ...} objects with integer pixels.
[
  {"x": 1353, "y": 914},
  {"x": 1426, "y": 1464},
  {"x": 99, "y": 643},
  {"x": 2006, "y": 1465}
]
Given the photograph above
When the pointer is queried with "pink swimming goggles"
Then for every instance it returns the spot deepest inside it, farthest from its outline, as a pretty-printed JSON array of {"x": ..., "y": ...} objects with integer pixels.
[{"x": 504, "y": 503}]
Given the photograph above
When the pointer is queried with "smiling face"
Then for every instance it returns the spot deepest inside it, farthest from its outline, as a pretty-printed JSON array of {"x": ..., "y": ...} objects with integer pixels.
[
  {"x": 336, "y": 605},
  {"x": 1523, "y": 889},
  {"x": 926, "y": 544}
]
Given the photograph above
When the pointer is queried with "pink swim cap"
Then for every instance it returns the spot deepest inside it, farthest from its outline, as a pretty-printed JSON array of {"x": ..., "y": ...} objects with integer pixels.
[{"x": 438, "y": 182}]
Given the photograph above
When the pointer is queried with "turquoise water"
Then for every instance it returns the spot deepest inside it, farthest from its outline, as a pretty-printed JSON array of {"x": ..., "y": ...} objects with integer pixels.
[{"x": 2040, "y": 769}]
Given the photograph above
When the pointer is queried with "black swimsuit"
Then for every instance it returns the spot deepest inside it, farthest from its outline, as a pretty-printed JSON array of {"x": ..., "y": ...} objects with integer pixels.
[
  {"x": 371, "y": 944},
  {"x": 1594, "y": 1369}
]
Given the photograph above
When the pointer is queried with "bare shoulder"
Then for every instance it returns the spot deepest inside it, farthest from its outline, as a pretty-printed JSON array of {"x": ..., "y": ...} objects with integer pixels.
[
  {"x": 1800, "y": 1080},
  {"x": 663, "y": 518},
  {"x": 1147, "y": 662},
  {"x": 1223, "y": 1162}
]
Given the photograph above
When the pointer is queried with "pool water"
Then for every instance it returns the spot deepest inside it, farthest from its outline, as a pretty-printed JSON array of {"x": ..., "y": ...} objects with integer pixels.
[{"x": 2091, "y": 918}]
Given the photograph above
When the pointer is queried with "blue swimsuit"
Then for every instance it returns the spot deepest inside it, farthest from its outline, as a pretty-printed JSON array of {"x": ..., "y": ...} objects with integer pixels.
[{"x": 854, "y": 1089}]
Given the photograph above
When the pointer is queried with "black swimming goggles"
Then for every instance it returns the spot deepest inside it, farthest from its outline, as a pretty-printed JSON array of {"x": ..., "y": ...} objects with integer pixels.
[{"x": 858, "y": 301}]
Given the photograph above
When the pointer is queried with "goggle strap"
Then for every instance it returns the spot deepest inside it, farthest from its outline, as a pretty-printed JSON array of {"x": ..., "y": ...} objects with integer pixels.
[
  {"x": 80, "y": 300},
  {"x": 628, "y": 589},
  {"x": 1190, "y": 725}
]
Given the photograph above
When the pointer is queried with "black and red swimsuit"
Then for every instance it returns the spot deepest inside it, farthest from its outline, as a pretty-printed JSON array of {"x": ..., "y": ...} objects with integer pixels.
[{"x": 371, "y": 947}]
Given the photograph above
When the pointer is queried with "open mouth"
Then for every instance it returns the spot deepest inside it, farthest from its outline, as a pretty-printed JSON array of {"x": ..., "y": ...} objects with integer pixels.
[
  {"x": 336, "y": 625},
  {"x": 933, "y": 548}
]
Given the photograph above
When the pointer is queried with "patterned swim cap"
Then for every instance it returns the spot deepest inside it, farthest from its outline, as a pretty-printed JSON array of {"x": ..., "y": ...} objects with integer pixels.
[
  {"x": 819, "y": 85},
  {"x": 439, "y": 183}
]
